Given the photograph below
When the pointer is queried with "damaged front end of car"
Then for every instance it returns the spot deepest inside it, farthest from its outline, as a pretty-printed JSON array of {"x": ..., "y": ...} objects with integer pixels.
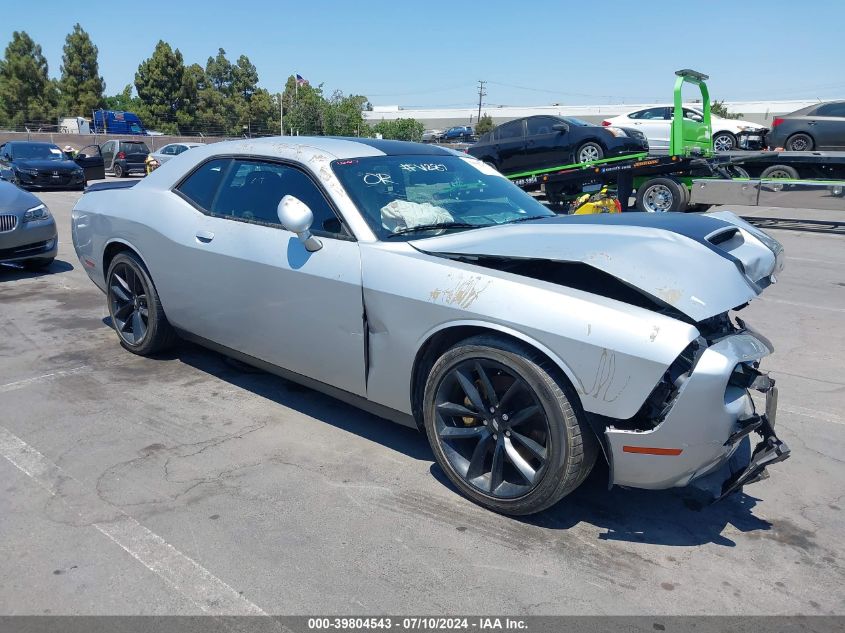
[
  {"x": 700, "y": 270},
  {"x": 694, "y": 422}
]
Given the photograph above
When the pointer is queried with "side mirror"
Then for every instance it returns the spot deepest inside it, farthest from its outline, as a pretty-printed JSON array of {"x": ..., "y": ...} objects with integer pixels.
[
  {"x": 297, "y": 218},
  {"x": 560, "y": 127}
]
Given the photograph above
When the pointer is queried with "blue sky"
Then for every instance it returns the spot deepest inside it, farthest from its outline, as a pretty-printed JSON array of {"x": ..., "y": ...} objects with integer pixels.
[{"x": 433, "y": 53}]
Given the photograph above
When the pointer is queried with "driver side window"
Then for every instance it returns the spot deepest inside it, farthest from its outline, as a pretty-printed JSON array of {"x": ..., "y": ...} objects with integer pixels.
[{"x": 252, "y": 189}]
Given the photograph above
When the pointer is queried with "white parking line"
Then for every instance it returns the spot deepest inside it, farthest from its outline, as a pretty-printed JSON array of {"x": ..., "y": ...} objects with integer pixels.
[
  {"x": 184, "y": 574},
  {"x": 815, "y": 415},
  {"x": 801, "y": 305},
  {"x": 20, "y": 384}
]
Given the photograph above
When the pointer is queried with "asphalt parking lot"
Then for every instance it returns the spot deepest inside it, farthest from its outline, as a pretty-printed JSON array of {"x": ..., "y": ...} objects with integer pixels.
[{"x": 186, "y": 484}]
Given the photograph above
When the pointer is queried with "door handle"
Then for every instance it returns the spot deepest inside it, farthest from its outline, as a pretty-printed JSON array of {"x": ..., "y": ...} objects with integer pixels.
[{"x": 205, "y": 236}]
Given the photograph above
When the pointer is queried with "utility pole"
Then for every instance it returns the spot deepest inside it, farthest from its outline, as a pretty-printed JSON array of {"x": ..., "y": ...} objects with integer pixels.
[{"x": 481, "y": 93}]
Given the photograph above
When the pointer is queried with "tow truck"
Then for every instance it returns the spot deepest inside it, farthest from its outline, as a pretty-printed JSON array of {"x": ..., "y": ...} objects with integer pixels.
[{"x": 692, "y": 176}]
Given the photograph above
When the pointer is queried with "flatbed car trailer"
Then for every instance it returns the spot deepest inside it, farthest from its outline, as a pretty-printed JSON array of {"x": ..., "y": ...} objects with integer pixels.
[
  {"x": 677, "y": 183},
  {"x": 692, "y": 174}
]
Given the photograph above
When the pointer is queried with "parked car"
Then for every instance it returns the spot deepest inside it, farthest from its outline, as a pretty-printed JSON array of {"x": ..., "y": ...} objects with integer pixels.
[
  {"x": 656, "y": 124},
  {"x": 820, "y": 126},
  {"x": 37, "y": 165},
  {"x": 124, "y": 158},
  {"x": 458, "y": 133},
  {"x": 539, "y": 142},
  {"x": 430, "y": 136},
  {"x": 167, "y": 152},
  {"x": 423, "y": 286},
  {"x": 27, "y": 230}
]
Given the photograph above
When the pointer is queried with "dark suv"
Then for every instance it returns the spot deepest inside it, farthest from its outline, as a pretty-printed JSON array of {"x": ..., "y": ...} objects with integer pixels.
[
  {"x": 123, "y": 158},
  {"x": 819, "y": 126},
  {"x": 540, "y": 142}
]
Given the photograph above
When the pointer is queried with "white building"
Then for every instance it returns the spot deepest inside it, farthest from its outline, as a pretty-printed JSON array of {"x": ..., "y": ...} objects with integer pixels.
[{"x": 441, "y": 118}]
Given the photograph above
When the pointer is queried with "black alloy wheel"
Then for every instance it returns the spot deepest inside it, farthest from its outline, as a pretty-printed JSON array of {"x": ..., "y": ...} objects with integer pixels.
[
  {"x": 504, "y": 426},
  {"x": 128, "y": 304},
  {"x": 492, "y": 428},
  {"x": 136, "y": 312}
]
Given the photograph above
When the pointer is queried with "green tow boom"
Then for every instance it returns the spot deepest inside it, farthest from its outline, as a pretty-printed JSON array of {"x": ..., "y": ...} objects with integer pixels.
[{"x": 691, "y": 137}]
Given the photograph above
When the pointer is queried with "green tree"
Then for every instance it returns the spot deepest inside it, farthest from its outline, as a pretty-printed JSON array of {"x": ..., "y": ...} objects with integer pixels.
[
  {"x": 193, "y": 82},
  {"x": 219, "y": 71},
  {"x": 304, "y": 108},
  {"x": 244, "y": 86},
  {"x": 159, "y": 85},
  {"x": 718, "y": 108},
  {"x": 342, "y": 114},
  {"x": 122, "y": 101},
  {"x": 26, "y": 93},
  {"x": 80, "y": 86},
  {"x": 484, "y": 125},
  {"x": 400, "y": 129}
]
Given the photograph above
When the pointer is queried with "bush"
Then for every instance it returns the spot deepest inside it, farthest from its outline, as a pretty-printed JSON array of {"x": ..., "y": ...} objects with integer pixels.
[{"x": 400, "y": 130}]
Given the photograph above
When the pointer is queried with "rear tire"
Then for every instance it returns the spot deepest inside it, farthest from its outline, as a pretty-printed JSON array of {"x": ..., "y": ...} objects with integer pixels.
[
  {"x": 118, "y": 171},
  {"x": 662, "y": 195},
  {"x": 135, "y": 309},
  {"x": 532, "y": 450},
  {"x": 799, "y": 143},
  {"x": 780, "y": 171}
]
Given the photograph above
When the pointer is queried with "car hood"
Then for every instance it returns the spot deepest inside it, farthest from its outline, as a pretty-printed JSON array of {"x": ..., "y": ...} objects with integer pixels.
[
  {"x": 46, "y": 164},
  {"x": 701, "y": 265},
  {"x": 15, "y": 200}
]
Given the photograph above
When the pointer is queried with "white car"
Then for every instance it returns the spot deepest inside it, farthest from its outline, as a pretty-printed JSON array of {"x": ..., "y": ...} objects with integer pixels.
[
  {"x": 656, "y": 124},
  {"x": 167, "y": 152}
]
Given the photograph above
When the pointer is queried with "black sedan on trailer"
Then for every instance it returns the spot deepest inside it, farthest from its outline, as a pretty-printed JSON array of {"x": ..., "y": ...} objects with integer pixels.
[
  {"x": 37, "y": 165},
  {"x": 541, "y": 142}
]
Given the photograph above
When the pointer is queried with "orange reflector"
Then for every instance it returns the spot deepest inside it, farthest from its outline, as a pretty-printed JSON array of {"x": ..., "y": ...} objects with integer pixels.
[{"x": 648, "y": 450}]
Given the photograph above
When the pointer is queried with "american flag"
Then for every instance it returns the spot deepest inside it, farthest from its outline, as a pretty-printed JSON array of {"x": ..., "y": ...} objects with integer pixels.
[{"x": 300, "y": 80}]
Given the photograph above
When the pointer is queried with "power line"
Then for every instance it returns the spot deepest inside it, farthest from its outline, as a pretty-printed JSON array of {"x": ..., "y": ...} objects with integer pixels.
[{"x": 481, "y": 93}]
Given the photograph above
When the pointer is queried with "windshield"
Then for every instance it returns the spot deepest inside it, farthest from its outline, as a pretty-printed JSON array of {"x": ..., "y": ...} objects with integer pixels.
[
  {"x": 134, "y": 147},
  {"x": 573, "y": 121},
  {"x": 408, "y": 197},
  {"x": 37, "y": 152}
]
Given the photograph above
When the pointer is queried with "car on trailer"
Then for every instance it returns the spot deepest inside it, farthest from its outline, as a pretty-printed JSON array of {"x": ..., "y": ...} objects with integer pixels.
[
  {"x": 656, "y": 124},
  {"x": 543, "y": 141}
]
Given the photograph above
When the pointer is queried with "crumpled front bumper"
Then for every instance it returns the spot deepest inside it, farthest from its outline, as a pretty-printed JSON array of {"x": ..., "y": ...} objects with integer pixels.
[{"x": 710, "y": 414}]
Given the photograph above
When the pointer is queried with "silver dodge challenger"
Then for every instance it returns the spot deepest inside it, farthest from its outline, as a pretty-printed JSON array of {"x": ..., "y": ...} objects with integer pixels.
[{"x": 422, "y": 286}]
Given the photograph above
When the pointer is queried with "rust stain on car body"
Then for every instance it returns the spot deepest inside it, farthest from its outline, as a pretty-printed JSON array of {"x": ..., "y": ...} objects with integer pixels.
[{"x": 463, "y": 295}]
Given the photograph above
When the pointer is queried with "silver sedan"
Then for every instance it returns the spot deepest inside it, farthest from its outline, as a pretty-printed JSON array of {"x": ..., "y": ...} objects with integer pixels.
[
  {"x": 424, "y": 287},
  {"x": 27, "y": 230},
  {"x": 164, "y": 154}
]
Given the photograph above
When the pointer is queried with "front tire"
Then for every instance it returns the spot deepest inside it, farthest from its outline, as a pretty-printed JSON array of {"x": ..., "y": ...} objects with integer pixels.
[
  {"x": 799, "y": 143},
  {"x": 135, "y": 309},
  {"x": 589, "y": 152},
  {"x": 505, "y": 426},
  {"x": 724, "y": 142}
]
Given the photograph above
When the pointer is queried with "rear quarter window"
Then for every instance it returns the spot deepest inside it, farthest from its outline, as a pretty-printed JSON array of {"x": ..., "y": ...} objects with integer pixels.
[{"x": 202, "y": 185}]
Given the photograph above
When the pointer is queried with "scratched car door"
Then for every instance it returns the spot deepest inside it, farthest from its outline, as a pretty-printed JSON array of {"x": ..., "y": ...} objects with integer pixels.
[{"x": 250, "y": 285}]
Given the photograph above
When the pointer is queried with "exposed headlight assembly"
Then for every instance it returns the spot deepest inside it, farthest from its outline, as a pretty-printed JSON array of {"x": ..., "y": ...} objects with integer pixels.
[{"x": 41, "y": 212}]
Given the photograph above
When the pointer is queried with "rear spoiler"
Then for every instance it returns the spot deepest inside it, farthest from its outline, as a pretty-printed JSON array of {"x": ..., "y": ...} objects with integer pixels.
[{"x": 114, "y": 184}]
